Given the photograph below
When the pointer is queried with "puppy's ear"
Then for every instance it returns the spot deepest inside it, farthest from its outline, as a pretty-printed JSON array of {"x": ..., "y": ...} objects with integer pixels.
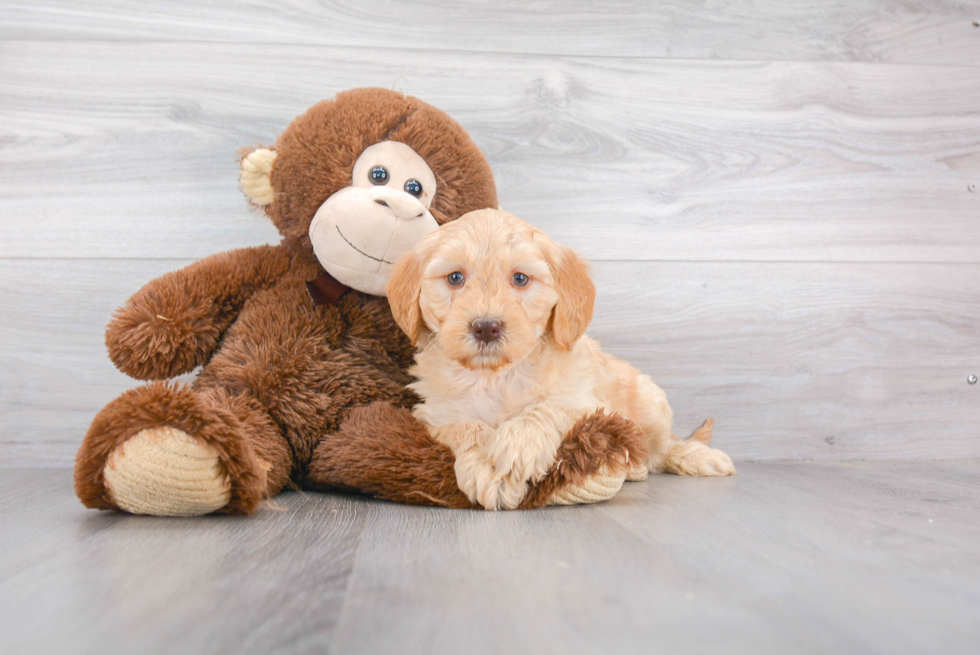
[
  {"x": 576, "y": 296},
  {"x": 404, "y": 289}
]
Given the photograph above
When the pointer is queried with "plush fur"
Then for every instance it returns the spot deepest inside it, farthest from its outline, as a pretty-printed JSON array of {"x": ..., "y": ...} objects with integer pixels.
[
  {"x": 290, "y": 391},
  {"x": 503, "y": 402},
  {"x": 378, "y": 446}
]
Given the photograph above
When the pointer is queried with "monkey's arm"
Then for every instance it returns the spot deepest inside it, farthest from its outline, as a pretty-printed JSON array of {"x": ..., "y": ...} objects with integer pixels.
[{"x": 173, "y": 324}]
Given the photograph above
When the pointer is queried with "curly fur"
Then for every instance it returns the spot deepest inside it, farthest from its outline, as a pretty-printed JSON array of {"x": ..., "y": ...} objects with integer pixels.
[{"x": 504, "y": 403}]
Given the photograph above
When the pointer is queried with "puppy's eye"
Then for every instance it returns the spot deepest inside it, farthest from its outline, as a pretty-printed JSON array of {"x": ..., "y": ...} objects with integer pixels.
[
  {"x": 520, "y": 279},
  {"x": 455, "y": 278},
  {"x": 413, "y": 187},
  {"x": 378, "y": 175}
]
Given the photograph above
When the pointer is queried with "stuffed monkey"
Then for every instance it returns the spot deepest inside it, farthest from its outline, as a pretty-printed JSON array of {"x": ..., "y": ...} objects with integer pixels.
[{"x": 303, "y": 367}]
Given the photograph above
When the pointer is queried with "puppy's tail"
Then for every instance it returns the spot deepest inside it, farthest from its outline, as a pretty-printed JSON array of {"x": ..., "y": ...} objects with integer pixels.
[{"x": 703, "y": 434}]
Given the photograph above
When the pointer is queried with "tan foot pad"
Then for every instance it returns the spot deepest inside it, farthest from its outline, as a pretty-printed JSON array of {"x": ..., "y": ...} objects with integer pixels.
[
  {"x": 166, "y": 472},
  {"x": 601, "y": 486}
]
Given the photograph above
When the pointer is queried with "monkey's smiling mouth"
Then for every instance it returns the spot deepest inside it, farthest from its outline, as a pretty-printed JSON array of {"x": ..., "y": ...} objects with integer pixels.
[{"x": 383, "y": 261}]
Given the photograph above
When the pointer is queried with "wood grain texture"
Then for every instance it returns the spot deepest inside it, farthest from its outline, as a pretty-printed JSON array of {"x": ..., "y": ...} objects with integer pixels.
[
  {"x": 801, "y": 558},
  {"x": 778, "y": 196},
  {"x": 128, "y": 149},
  {"x": 55, "y": 374},
  {"x": 172, "y": 585},
  {"x": 795, "y": 361},
  {"x": 934, "y": 32}
]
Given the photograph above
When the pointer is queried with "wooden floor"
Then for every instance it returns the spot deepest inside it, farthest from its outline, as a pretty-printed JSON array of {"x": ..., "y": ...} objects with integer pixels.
[{"x": 784, "y": 558}]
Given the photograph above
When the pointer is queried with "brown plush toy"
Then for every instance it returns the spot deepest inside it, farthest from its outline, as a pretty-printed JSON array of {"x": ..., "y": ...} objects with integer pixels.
[{"x": 304, "y": 369}]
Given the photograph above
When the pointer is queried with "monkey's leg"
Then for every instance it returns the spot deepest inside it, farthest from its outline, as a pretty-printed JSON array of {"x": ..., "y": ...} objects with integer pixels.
[
  {"x": 385, "y": 452},
  {"x": 170, "y": 450},
  {"x": 592, "y": 462}
]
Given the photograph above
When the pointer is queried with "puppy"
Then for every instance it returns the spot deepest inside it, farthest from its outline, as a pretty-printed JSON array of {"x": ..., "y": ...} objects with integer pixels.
[{"x": 498, "y": 311}]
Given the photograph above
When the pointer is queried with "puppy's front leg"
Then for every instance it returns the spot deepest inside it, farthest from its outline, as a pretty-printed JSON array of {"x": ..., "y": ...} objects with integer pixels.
[
  {"x": 463, "y": 436},
  {"x": 522, "y": 450},
  {"x": 468, "y": 442}
]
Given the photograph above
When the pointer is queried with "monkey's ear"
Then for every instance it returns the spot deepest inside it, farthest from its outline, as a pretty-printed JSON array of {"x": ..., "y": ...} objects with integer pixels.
[
  {"x": 404, "y": 289},
  {"x": 256, "y": 176}
]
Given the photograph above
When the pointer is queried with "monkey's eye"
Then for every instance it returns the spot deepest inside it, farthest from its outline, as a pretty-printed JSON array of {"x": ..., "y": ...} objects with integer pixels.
[
  {"x": 520, "y": 279},
  {"x": 414, "y": 187},
  {"x": 455, "y": 278},
  {"x": 378, "y": 175}
]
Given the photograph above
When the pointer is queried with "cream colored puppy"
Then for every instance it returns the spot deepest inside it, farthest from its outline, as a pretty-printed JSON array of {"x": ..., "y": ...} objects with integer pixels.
[{"x": 499, "y": 310}]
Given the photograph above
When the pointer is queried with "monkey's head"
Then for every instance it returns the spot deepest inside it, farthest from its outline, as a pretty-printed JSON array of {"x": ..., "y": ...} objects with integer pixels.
[{"x": 357, "y": 181}]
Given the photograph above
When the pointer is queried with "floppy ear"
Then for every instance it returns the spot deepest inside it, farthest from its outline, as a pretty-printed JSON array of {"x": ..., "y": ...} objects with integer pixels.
[
  {"x": 256, "y": 175},
  {"x": 576, "y": 296},
  {"x": 404, "y": 289}
]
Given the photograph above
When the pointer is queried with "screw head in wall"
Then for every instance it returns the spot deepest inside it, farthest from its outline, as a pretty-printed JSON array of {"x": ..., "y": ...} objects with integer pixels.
[
  {"x": 971, "y": 187},
  {"x": 972, "y": 379}
]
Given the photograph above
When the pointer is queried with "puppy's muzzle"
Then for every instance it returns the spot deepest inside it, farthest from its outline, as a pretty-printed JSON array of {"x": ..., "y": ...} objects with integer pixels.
[{"x": 487, "y": 330}]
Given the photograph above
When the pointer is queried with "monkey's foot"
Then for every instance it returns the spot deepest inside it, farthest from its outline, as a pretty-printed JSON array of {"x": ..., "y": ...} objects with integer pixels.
[
  {"x": 164, "y": 449},
  {"x": 164, "y": 471},
  {"x": 592, "y": 463},
  {"x": 601, "y": 486}
]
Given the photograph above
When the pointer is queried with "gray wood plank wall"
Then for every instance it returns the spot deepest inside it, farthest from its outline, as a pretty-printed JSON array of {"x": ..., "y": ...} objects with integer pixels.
[{"x": 780, "y": 199}]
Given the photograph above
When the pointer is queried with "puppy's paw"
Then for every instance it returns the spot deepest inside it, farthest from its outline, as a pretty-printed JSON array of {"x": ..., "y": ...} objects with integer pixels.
[
  {"x": 472, "y": 467},
  {"x": 696, "y": 459},
  {"x": 522, "y": 452},
  {"x": 501, "y": 492},
  {"x": 485, "y": 484}
]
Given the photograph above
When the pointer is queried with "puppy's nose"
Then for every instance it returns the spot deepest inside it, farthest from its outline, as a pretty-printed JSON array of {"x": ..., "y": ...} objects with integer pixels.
[{"x": 487, "y": 330}]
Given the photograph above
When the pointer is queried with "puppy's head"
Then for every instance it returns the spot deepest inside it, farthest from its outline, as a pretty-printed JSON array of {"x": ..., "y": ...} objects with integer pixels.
[{"x": 489, "y": 287}]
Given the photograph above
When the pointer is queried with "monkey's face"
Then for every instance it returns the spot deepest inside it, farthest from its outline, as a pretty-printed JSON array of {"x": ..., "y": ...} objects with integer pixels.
[
  {"x": 351, "y": 183},
  {"x": 362, "y": 230}
]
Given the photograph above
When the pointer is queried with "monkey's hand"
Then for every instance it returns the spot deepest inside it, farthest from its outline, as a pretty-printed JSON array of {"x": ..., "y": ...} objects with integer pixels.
[{"x": 173, "y": 324}]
